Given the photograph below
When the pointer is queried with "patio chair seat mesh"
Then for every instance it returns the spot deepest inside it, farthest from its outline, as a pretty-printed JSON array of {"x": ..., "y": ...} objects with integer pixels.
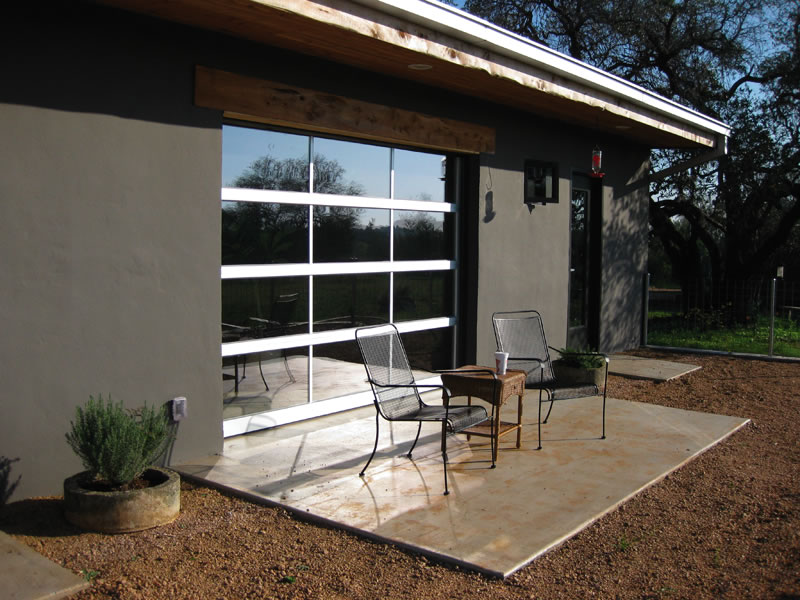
[
  {"x": 459, "y": 418},
  {"x": 567, "y": 392}
]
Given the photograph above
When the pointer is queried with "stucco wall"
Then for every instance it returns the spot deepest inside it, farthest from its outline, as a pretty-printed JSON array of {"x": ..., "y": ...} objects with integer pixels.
[
  {"x": 524, "y": 254},
  {"x": 109, "y": 237}
]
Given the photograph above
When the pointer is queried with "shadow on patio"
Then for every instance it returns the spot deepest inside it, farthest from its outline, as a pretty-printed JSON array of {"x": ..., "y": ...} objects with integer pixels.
[{"x": 494, "y": 520}]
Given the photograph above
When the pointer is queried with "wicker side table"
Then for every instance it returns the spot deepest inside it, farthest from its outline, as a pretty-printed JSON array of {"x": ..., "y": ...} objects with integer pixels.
[{"x": 483, "y": 385}]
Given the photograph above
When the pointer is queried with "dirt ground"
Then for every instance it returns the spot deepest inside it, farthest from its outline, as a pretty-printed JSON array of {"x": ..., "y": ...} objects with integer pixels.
[{"x": 727, "y": 525}]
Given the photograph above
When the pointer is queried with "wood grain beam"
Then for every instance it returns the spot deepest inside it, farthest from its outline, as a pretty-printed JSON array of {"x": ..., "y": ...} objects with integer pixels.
[{"x": 290, "y": 106}]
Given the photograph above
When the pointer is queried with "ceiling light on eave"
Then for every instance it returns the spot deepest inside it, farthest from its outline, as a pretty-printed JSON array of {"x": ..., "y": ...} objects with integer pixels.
[{"x": 420, "y": 67}]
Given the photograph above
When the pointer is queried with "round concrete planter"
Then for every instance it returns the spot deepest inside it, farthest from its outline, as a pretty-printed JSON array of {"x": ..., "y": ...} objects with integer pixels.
[
  {"x": 568, "y": 374},
  {"x": 120, "y": 512}
]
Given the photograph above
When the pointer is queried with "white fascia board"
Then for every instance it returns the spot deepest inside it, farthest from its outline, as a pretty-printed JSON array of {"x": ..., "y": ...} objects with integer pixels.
[{"x": 473, "y": 30}]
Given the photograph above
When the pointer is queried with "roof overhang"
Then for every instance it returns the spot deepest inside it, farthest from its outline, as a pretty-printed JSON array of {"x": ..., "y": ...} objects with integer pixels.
[{"x": 441, "y": 46}]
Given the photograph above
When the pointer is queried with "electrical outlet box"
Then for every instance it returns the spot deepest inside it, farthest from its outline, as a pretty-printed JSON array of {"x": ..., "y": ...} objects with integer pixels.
[{"x": 178, "y": 408}]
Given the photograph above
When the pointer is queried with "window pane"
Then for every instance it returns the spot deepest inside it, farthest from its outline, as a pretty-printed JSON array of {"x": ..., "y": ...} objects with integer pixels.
[
  {"x": 261, "y": 381},
  {"x": 423, "y": 295},
  {"x": 259, "y": 308},
  {"x": 342, "y": 301},
  {"x": 338, "y": 371},
  {"x": 578, "y": 259},
  {"x": 423, "y": 235},
  {"x": 344, "y": 234},
  {"x": 350, "y": 169},
  {"x": 431, "y": 349},
  {"x": 264, "y": 160},
  {"x": 258, "y": 233},
  {"x": 418, "y": 176}
]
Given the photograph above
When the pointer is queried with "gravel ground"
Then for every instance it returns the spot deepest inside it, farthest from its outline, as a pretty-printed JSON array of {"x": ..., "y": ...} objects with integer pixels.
[{"x": 727, "y": 525}]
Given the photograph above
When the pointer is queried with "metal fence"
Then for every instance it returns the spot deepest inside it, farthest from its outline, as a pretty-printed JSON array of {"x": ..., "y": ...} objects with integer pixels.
[{"x": 750, "y": 306}]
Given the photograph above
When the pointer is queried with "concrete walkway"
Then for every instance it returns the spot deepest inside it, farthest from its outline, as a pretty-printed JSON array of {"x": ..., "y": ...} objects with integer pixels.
[
  {"x": 27, "y": 575},
  {"x": 637, "y": 367}
]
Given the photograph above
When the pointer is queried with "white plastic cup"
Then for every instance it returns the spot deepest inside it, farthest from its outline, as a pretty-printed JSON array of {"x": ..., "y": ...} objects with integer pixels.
[{"x": 501, "y": 362}]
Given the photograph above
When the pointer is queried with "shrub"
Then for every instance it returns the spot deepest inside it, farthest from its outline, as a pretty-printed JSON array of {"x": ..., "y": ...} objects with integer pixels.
[
  {"x": 115, "y": 444},
  {"x": 580, "y": 359}
]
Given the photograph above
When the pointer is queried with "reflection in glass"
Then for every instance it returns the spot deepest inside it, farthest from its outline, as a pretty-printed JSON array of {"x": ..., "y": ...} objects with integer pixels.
[
  {"x": 578, "y": 259},
  {"x": 262, "y": 381},
  {"x": 259, "y": 233},
  {"x": 343, "y": 234},
  {"x": 418, "y": 176},
  {"x": 264, "y": 160},
  {"x": 431, "y": 349},
  {"x": 350, "y": 169},
  {"x": 342, "y": 301},
  {"x": 422, "y": 235},
  {"x": 338, "y": 371},
  {"x": 423, "y": 295},
  {"x": 259, "y": 308}
]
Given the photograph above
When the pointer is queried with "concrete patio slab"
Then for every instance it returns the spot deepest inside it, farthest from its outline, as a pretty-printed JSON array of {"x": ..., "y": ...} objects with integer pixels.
[
  {"x": 495, "y": 520},
  {"x": 637, "y": 367},
  {"x": 27, "y": 575}
]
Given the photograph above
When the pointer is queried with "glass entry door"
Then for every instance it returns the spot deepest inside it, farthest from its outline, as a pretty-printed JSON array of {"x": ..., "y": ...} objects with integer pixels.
[
  {"x": 584, "y": 264},
  {"x": 319, "y": 237}
]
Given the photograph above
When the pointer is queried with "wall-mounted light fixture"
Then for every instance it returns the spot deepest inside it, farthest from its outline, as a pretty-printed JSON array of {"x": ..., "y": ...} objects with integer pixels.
[
  {"x": 541, "y": 182},
  {"x": 597, "y": 162}
]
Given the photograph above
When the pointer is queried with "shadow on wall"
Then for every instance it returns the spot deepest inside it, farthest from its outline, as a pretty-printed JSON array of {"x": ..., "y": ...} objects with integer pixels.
[
  {"x": 624, "y": 267},
  {"x": 6, "y": 487}
]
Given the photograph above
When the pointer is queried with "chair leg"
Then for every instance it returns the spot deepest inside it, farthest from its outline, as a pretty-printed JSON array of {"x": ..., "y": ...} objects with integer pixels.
[
  {"x": 548, "y": 410},
  {"x": 604, "y": 416},
  {"x": 495, "y": 431},
  {"x": 540, "y": 419},
  {"x": 261, "y": 370},
  {"x": 414, "y": 445},
  {"x": 605, "y": 390},
  {"x": 375, "y": 447},
  {"x": 444, "y": 455},
  {"x": 286, "y": 366}
]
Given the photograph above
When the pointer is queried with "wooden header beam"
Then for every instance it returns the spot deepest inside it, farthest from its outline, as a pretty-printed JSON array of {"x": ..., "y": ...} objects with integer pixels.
[{"x": 275, "y": 103}]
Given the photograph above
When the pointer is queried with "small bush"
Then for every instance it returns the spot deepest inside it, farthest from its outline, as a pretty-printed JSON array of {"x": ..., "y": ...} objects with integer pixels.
[
  {"x": 115, "y": 444},
  {"x": 580, "y": 359}
]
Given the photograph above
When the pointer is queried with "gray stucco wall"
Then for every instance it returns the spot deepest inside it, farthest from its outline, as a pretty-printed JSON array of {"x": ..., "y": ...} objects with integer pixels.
[
  {"x": 524, "y": 254},
  {"x": 109, "y": 233}
]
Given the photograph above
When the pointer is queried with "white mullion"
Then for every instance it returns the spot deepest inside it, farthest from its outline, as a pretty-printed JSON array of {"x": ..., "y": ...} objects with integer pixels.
[
  {"x": 303, "y": 198},
  {"x": 323, "y": 337},
  {"x": 391, "y": 237},
  {"x": 362, "y": 268},
  {"x": 455, "y": 178},
  {"x": 310, "y": 347}
]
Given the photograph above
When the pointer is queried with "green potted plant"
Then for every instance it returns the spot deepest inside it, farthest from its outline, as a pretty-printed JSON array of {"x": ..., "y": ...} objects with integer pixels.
[
  {"x": 120, "y": 490},
  {"x": 580, "y": 366}
]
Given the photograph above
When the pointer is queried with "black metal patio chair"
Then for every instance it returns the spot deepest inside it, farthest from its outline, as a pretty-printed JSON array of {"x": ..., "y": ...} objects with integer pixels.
[
  {"x": 521, "y": 334},
  {"x": 397, "y": 395}
]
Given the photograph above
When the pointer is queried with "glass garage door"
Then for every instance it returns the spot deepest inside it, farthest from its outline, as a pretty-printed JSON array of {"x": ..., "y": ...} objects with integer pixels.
[{"x": 319, "y": 237}]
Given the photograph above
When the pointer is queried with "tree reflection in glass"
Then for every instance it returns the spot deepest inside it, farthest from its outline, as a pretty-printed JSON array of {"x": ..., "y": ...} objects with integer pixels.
[
  {"x": 260, "y": 233},
  {"x": 343, "y": 234},
  {"x": 422, "y": 235}
]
